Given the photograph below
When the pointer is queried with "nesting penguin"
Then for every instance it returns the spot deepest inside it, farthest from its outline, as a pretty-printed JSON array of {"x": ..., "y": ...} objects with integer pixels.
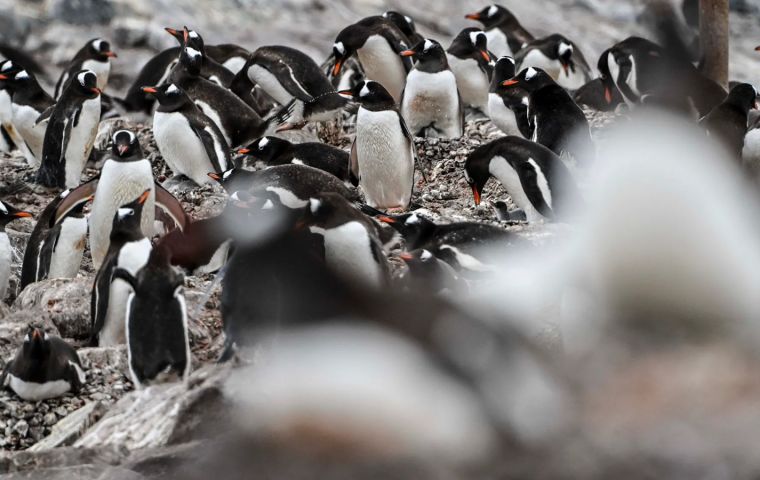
[
  {"x": 129, "y": 250},
  {"x": 506, "y": 107},
  {"x": 727, "y": 123},
  {"x": 383, "y": 153},
  {"x": 158, "y": 343},
  {"x": 44, "y": 367},
  {"x": 28, "y": 102},
  {"x": 537, "y": 180},
  {"x": 472, "y": 65},
  {"x": 95, "y": 56},
  {"x": 506, "y": 36},
  {"x": 559, "y": 57},
  {"x": 190, "y": 142},
  {"x": 71, "y": 128},
  {"x": 8, "y": 213}
]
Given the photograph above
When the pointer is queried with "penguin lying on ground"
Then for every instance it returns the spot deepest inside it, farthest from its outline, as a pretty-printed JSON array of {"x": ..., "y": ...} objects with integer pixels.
[
  {"x": 95, "y": 56},
  {"x": 8, "y": 213}
]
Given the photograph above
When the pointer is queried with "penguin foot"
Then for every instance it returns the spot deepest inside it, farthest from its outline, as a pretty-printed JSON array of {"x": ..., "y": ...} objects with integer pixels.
[{"x": 290, "y": 126}]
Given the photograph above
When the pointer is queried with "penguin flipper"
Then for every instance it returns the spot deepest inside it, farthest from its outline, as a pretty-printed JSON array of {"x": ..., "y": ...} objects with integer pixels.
[
  {"x": 353, "y": 165},
  {"x": 412, "y": 146},
  {"x": 215, "y": 148},
  {"x": 45, "y": 115},
  {"x": 171, "y": 207},
  {"x": 286, "y": 77},
  {"x": 101, "y": 291},
  {"x": 529, "y": 182},
  {"x": 45, "y": 255},
  {"x": 75, "y": 197}
]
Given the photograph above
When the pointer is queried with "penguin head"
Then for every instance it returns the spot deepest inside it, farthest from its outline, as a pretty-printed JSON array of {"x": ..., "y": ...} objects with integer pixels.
[
  {"x": 529, "y": 80},
  {"x": 187, "y": 38},
  {"x": 347, "y": 43},
  {"x": 233, "y": 179},
  {"x": 743, "y": 96},
  {"x": 170, "y": 96},
  {"x": 492, "y": 16},
  {"x": 100, "y": 50},
  {"x": 412, "y": 226},
  {"x": 471, "y": 43},
  {"x": 9, "y": 213},
  {"x": 429, "y": 54},
  {"x": 328, "y": 210},
  {"x": 504, "y": 69},
  {"x": 604, "y": 73},
  {"x": 563, "y": 49},
  {"x": 476, "y": 172},
  {"x": 421, "y": 262},
  {"x": 129, "y": 216},
  {"x": 192, "y": 59},
  {"x": 404, "y": 23},
  {"x": 85, "y": 83},
  {"x": 22, "y": 77},
  {"x": 36, "y": 344},
  {"x": 125, "y": 144},
  {"x": 9, "y": 69},
  {"x": 371, "y": 95},
  {"x": 266, "y": 149}
]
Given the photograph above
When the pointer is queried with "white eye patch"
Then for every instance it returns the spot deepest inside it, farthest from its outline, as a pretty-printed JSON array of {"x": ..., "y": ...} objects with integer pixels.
[
  {"x": 340, "y": 48},
  {"x": 493, "y": 10},
  {"x": 474, "y": 37},
  {"x": 530, "y": 73},
  {"x": 3, "y": 208},
  {"x": 192, "y": 34},
  {"x": 125, "y": 212},
  {"x": 22, "y": 75},
  {"x": 364, "y": 91},
  {"x": 412, "y": 219},
  {"x": 428, "y": 45},
  {"x": 82, "y": 77},
  {"x": 408, "y": 19},
  {"x": 172, "y": 89},
  {"x": 314, "y": 205},
  {"x": 227, "y": 174},
  {"x": 263, "y": 143},
  {"x": 97, "y": 43},
  {"x": 193, "y": 52},
  {"x": 7, "y": 65},
  {"x": 564, "y": 48},
  {"x": 426, "y": 255}
]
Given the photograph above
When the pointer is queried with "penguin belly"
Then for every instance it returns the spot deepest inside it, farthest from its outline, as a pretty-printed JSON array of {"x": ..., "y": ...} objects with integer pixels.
[
  {"x": 234, "y": 64},
  {"x": 536, "y": 59},
  {"x": 33, "y": 391},
  {"x": 81, "y": 141},
  {"x": 101, "y": 70},
  {"x": 6, "y": 119},
  {"x": 510, "y": 179},
  {"x": 69, "y": 249},
  {"x": 386, "y": 162},
  {"x": 120, "y": 183},
  {"x": 472, "y": 82},
  {"x": 502, "y": 116},
  {"x": 24, "y": 119},
  {"x": 431, "y": 99},
  {"x": 132, "y": 257},
  {"x": 182, "y": 150},
  {"x": 6, "y": 257},
  {"x": 497, "y": 43},
  {"x": 751, "y": 150},
  {"x": 270, "y": 84},
  {"x": 381, "y": 64},
  {"x": 348, "y": 252}
]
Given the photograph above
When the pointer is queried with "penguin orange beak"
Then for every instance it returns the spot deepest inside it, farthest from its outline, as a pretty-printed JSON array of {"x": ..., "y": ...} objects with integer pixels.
[
  {"x": 185, "y": 35},
  {"x": 3, "y": 77},
  {"x": 337, "y": 67},
  {"x": 757, "y": 49},
  {"x": 36, "y": 335},
  {"x": 386, "y": 219},
  {"x": 122, "y": 149},
  {"x": 407, "y": 257},
  {"x": 476, "y": 194},
  {"x": 509, "y": 83},
  {"x": 22, "y": 215},
  {"x": 485, "y": 55},
  {"x": 407, "y": 53},
  {"x": 110, "y": 54},
  {"x": 144, "y": 197},
  {"x": 346, "y": 93},
  {"x": 149, "y": 90},
  {"x": 242, "y": 151},
  {"x": 215, "y": 176},
  {"x": 96, "y": 90},
  {"x": 608, "y": 95},
  {"x": 171, "y": 31},
  {"x": 472, "y": 16}
]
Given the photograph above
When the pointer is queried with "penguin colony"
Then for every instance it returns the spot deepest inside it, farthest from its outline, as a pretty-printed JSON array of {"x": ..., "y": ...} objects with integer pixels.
[{"x": 336, "y": 217}]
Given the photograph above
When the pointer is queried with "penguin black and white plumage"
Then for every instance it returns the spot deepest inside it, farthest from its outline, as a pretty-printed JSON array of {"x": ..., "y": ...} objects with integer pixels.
[
  {"x": 28, "y": 102},
  {"x": 405, "y": 23},
  {"x": 158, "y": 343},
  {"x": 751, "y": 149},
  {"x": 426, "y": 272},
  {"x": 506, "y": 107},
  {"x": 44, "y": 367},
  {"x": 559, "y": 57},
  {"x": 383, "y": 153},
  {"x": 238, "y": 122},
  {"x": 506, "y": 36},
  {"x": 296, "y": 82},
  {"x": 555, "y": 120},
  {"x": 278, "y": 151},
  {"x": 129, "y": 250},
  {"x": 431, "y": 104},
  {"x": 189, "y": 141},
  {"x": 8, "y": 69},
  {"x": 95, "y": 56},
  {"x": 537, "y": 180},
  {"x": 210, "y": 69},
  {"x": 125, "y": 174},
  {"x": 472, "y": 64},
  {"x": 8, "y": 213},
  {"x": 595, "y": 95},
  {"x": 727, "y": 123},
  {"x": 71, "y": 129},
  {"x": 377, "y": 44},
  {"x": 56, "y": 245}
]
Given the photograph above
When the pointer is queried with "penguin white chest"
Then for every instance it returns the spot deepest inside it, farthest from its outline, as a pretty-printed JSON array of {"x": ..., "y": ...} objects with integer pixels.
[
  {"x": 269, "y": 83},
  {"x": 473, "y": 83},
  {"x": 81, "y": 140},
  {"x": 6, "y": 111},
  {"x": 24, "y": 118},
  {"x": 32, "y": 391},
  {"x": 497, "y": 43},
  {"x": 501, "y": 116},
  {"x": 431, "y": 100},
  {"x": 101, "y": 70},
  {"x": 751, "y": 150},
  {"x": 6, "y": 257},
  {"x": 69, "y": 248},
  {"x": 513, "y": 184},
  {"x": 181, "y": 148},
  {"x": 386, "y": 161},
  {"x": 383, "y": 65},
  {"x": 348, "y": 251}
]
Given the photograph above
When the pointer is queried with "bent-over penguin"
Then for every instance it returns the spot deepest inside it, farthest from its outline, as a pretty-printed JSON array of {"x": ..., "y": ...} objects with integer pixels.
[{"x": 507, "y": 107}]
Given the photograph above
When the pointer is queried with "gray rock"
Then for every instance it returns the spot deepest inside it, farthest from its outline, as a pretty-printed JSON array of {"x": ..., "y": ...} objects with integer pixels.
[
  {"x": 66, "y": 301},
  {"x": 58, "y": 458},
  {"x": 68, "y": 430},
  {"x": 14, "y": 327},
  {"x": 82, "y": 12}
]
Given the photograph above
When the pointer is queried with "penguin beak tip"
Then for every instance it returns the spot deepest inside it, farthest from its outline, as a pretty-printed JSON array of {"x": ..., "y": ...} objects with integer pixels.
[
  {"x": 407, "y": 53},
  {"x": 242, "y": 151},
  {"x": 214, "y": 176},
  {"x": 22, "y": 215},
  {"x": 407, "y": 257},
  {"x": 472, "y": 16}
]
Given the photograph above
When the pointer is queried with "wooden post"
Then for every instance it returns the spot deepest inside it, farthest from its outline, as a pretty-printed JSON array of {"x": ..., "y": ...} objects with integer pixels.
[{"x": 713, "y": 35}]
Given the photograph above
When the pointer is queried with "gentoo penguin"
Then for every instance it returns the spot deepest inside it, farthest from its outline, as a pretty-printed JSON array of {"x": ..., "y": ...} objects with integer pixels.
[
  {"x": 8, "y": 213},
  {"x": 472, "y": 65},
  {"x": 426, "y": 272},
  {"x": 44, "y": 367},
  {"x": 56, "y": 246},
  {"x": 28, "y": 102},
  {"x": 751, "y": 149},
  {"x": 278, "y": 151},
  {"x": 71, "y": 128},
  {"x": 126, "y": 173},
  {"x": 129, "y": 250},
  {"x": 430, "y": 103},
  {"x": 294, "y": 81},
  {"x": 505, "y": 34},
  {"x": 210, "y": 68},
  {"x": 8, "y": 69},
  {"x": 189, "y": 141},
  {"x": 555, "y": 121},
  {"x": 559, "y": 57},
  {"x": 377, "y": 43},
  {"x": 595, "y": 95},
  {"x": 95, "y": 56},
  {"x": 238, "y": 122},
  {"x": 405, "y": 23},
  {"x": 506, "y": 108},
  {"x": 727, "y": 123},
  {"x": 158, "y": 343},
  {"x": 537, "y": 180},
  {"x": 383, "y": 153}
]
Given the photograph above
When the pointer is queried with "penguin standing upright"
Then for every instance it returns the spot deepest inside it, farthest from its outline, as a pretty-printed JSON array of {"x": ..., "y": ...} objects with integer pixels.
[
  {"x": 44, "y": 367},
  {"x": 471, "y": 63},
  {"x": 129, "y": 250},
  {"x": 8, "y": 69},
  {"x": 71, "y": 128},
  {"x": 95, "y": 56},
  {"x": 28, "y": 102},
  {"x": 56, "y": 245},
  {"x": 506, "y": 36},
  {"x": 430, "y": 103},
  {"x": 559, "y": 57},
  {"x": 8, "y": 213},
  {"x": 189, "y": 141},
  {"x": 377, "y": 43},
  {"x": 126, "y": 173},
  {"x": 158, "y": 343},
  {"x": 505, "y": 105},
  {"x": 383, "y": 153},
  {"x": 727, "y": 123}
]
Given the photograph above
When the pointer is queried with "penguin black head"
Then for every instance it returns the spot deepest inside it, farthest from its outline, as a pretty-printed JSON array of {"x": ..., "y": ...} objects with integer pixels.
[
  {"x": 100, "y": 50},
  {"x": 412, "y": 226},
  {"x": 476, "y": 172},
  {"x": 127, "y": 218},
  {"x": 8, "y": 69},
  {"x": 492, "y": 16},
  {"x": 170, "y": 97},
  {"x": 187, "y": 38},
  {"x": 604, "y": 73},
  {"x": 503, "y": 70},
  {"x": 328, "y": 210},
  {"x": 85, "y": 83},
  {"x": 529, "y": 80},
  {"x": 472, "y": 43},
  {"x": 347, "y": 43},
  {"x": 36, "y": 345},
  {"x": 266, "y": 148},
  {"x": 125, "y": 145},
  {"x": 192, "y": 60},
  {"x": 157, "y": 280},
  {"x": 234, "y": 179},
  {"x": 421, "y": 263},
  {"x": 404, "y": 23},
  {"x": 371, "y": 95},
  {"x": 9, "y": 213},
  {"x": 562, "y": 49},
  {"x": 430, "y": 56},
  {"x": 743, "y": 96}
]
